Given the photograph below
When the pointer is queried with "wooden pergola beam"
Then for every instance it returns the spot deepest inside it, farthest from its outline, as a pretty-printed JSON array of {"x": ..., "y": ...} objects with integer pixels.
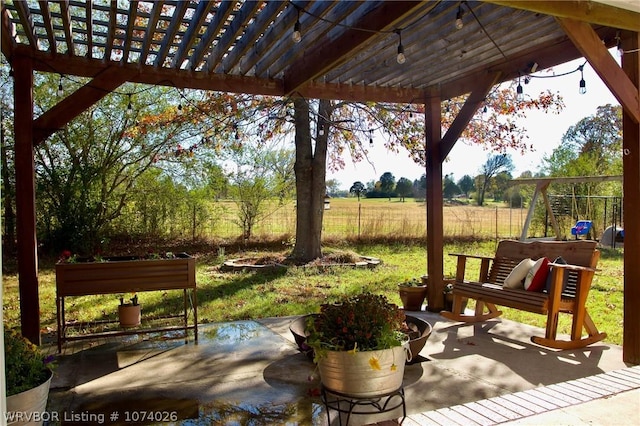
[
  {"x": 585, "y": 11},
  {"x": 475, "y": 99},
  {"x": 590, "y": 45},
  {"x": 566, "y": 179},
  {"x": 72, "y": 106}
]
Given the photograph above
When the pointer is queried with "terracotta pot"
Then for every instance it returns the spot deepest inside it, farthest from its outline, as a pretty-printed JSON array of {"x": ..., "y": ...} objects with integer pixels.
[
  {"x": 412, "y": 297},
  {"x": 32, "y": 402},
  {"x": 363, "y": 374},
  {"x": 129, "y": 315}
]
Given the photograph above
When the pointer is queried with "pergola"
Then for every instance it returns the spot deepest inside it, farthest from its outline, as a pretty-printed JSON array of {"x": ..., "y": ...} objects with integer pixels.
[{"x": 347, "y": 51}]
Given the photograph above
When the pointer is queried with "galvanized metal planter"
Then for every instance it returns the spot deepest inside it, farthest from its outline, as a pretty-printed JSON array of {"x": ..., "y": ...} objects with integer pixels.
[
  {"x": 363, "y": 374},
  {"x": 29, "y": 407}
]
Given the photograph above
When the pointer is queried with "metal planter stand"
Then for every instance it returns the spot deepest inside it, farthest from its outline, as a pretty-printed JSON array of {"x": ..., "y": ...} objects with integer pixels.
[{"x": 346, "y": 404}]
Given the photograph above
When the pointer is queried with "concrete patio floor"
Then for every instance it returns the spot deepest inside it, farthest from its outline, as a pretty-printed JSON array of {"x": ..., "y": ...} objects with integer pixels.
[{"x": 250, "y": 373}]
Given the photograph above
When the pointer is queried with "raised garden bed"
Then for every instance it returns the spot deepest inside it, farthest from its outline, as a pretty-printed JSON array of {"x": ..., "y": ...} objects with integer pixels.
[{"x": 127, "y": 275}]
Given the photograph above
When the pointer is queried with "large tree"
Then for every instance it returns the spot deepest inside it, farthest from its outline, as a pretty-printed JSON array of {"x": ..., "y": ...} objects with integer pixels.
[
  {"x": 449, "y": 187},
  {"x": 466, "y": 184},
  {"x": 387, "y": 182},
  {"x": 86, "y": 171},
  {"x": 324, "y": 132},
  {"x": 494, "y": 165},
  {"x": 358, "y": 188},
  {"x": 404, "y": 188},
  {"x": 591, "y": 147}
]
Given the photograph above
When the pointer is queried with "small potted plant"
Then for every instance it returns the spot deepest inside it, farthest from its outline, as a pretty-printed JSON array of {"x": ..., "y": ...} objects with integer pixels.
[
  {"x": 359, "y": 345},
  {"x": 129, "y": 313},
  {"x": 448, "y": 296},
  {"x": 28, "y": 375},
  {"x": 412, "y": 293}
]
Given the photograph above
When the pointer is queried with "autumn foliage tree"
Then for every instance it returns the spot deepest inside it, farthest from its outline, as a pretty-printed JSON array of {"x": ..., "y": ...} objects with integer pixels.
[
  {"x": 326, "y": 132},
  {"x": 86, "y": 172}
]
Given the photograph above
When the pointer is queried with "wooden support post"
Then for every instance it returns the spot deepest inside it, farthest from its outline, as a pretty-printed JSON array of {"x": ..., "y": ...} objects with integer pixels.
[
  {"x": 25, "y": 199},
  {"x": 435, "y": 232},
  {"x": 631, "y": 207},
  {"x": 552, "y": 216},
  {"x": 532, "y": 209}
]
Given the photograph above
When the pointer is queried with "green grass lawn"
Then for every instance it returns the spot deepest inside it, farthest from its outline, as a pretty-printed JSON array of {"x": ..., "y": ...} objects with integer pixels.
[{"x": 226, "y": 296}]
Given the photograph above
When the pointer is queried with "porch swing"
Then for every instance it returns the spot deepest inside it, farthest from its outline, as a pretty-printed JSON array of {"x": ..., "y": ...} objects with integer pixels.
[{"x": 582, "y": 227}]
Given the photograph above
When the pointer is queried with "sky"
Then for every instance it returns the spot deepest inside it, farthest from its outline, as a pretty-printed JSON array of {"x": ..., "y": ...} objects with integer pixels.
[{"x": 545, "y": 132}]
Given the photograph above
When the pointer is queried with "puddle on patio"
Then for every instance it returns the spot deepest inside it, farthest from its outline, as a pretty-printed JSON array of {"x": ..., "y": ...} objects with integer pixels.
[
  {"x": 190, "y": 412},
  {"x": 238, "y": 373}
]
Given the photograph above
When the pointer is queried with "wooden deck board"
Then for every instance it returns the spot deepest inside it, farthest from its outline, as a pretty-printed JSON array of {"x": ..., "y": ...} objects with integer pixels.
[{"x": 510, "y": 407}]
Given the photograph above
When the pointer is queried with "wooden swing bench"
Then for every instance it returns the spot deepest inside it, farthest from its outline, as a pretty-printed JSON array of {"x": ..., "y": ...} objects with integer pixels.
[{"x": 581, "y": 257}]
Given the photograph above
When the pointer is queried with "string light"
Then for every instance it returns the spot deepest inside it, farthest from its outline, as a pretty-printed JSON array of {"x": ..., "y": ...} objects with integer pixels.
[
  {"x": 60, "y": 92},
  {"x": 583, "y": 85},
  {"x": 129, "y": 107},
  {"x": 519, "y": 91},
  {"x": 459, "y": 22},
  {"x": 371, "y": 137},
  {"x": 297, "y": 35},
  {"x": 400, "y": 58},
  {"x": 180, "y": 108}
]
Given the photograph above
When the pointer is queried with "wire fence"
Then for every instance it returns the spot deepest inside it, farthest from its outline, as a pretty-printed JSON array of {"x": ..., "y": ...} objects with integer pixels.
[{"x": 351, "y": 220}]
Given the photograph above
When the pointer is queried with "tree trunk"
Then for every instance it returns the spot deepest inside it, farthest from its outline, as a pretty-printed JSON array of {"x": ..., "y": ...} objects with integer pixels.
[{"x": 310, "y": 171}]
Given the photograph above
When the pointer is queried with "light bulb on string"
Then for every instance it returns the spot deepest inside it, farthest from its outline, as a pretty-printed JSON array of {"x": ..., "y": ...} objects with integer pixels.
[
  {"x": 459, "y": 22},
  {"x": 296, "y": 36},
  {"x": 129, "y": 107},
  {"x": 180, "y": 108},
  {"x": 371, "y": 138},
  {"x": 60, "y": 92},
  {"x": 519, "y": 92},
  {"x": 619, "y": 45},
  {"x": 582, "y": 89},
  {"x": 401, "y": 59}
]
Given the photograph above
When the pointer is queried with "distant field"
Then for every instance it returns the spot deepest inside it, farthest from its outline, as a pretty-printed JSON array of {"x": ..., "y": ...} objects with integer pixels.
[{"x": 377, "y": 217}]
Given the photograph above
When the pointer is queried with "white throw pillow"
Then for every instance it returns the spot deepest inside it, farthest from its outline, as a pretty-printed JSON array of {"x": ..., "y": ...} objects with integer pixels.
[{"x": 518, "y": 274}]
